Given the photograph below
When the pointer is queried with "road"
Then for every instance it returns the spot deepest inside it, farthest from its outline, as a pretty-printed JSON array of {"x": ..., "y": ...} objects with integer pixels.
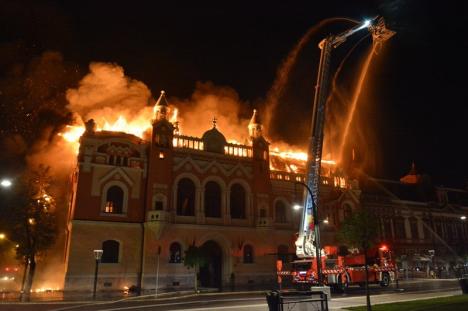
[{"x": 254, "y": 301}]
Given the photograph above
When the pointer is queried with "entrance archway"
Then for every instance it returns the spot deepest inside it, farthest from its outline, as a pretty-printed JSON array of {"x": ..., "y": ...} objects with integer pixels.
[{"x": 211, "y": 273}]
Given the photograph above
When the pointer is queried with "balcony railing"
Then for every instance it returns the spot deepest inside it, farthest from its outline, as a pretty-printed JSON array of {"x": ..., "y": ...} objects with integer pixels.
[{"x": 196, "y": 143}]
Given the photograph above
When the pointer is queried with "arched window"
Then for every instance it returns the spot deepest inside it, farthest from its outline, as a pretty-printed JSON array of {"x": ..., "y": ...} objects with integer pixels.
[
  {"x": 237, "y": 201},
  {"x": 114, "y": 200},
  {"x": 212, "y": 199},
  {"x": 280, "y": 212},
  {"x": 110, "y": 251},
  {"x": 283, "y": 253},
  {"x": 248, "y": 254},
  {"x": 347, "y": 211},
  {"x": 186, "y": 197},
  {"x": 175, "y": 251}
]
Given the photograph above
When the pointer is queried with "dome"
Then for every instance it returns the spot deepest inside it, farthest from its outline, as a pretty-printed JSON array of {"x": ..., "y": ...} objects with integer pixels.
[{"x": 214, "y": 141}]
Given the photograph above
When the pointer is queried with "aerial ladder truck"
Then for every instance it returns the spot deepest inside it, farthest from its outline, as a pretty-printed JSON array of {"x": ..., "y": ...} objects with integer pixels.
[{"x": 308, "y": 238}]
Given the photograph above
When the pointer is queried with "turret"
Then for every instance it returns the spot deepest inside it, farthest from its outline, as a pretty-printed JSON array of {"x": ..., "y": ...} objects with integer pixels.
[
  {"x": 161, "y": 108},
  {"x": 259, "y": 143},
  {"x": 163, "y": 130},
  {"x": 255, "y": 126}
]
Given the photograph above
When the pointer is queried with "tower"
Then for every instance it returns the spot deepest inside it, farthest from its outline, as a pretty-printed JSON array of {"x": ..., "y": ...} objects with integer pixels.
[
  {"x": 160, "y": 158},
  {"x": 261, "y": 167}
]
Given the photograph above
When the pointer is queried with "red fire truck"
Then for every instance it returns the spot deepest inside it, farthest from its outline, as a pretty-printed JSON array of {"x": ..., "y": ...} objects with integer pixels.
[{"x": 342, "y": 271}]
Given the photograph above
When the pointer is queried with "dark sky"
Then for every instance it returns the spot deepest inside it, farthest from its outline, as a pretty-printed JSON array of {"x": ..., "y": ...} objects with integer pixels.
[{"x": 419, "y": 87}]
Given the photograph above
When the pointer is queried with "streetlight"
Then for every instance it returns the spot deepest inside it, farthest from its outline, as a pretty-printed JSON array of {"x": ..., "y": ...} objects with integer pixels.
[
  {"x": 97, "y": 256},
  {"x": 463, "y": 217},
  {"x": 2, "y": 236},
  {"x": 6, "y": 183},
  {"x": 297, "y": 207},
  {"x": 316, "y": 231}
]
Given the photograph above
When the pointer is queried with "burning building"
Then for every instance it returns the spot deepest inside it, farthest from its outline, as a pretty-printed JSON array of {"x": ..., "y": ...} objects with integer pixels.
[{"x": 143, "y": 198}]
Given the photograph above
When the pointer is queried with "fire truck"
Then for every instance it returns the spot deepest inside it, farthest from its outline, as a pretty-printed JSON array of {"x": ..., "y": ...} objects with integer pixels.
[
  {"x": 340, "y": 272},
  {"x": 337, "y": 271}
]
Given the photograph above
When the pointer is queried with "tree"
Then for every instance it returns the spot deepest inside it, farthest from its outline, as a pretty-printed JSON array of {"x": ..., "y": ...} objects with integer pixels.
[
  {"x": 360, "y": 231},
  {"x": 31, "y": 223},
  {"x": 195, "y": 258}
]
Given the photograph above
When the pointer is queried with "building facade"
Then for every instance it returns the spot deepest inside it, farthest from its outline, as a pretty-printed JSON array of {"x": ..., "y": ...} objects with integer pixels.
[{"x": 144, "y": 201}]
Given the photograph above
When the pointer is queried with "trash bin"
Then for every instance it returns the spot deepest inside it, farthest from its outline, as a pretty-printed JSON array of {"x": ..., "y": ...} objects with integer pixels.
[
  {"x": 464, "y": 283},
  {"x": 273, "y": 300}
]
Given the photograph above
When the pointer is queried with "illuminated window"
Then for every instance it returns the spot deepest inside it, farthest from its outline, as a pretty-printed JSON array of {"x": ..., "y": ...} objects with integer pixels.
[
  {"x": 186, "y": 197},
  {"x": 110, "y": 251},
  {"x": 175, "y": 251},
  {"x": 161, "y": 155},
  {"x": 212, "y": 199},
  {"x": 237, "y": 201},
  {"x": 248, "y": 254},
  {"x": 114, "y": 200}
]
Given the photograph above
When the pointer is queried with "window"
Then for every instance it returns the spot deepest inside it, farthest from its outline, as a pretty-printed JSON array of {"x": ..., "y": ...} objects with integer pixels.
[
  {"x": 175, "y": 251},
  {"x": 110, "y": 251},
  {"x": 280, "y": 212},
  {"x": 262, "y": 212},
  {"x": 237, "y": 201},
  {"x": 186, "y": 197},
  {"x": 387, "y": 223},
  {"x": 399, "y": 228},
  {"x": 283, "y": 253},
  {"x": 212, "y": 199},
  {"x": 248, "y": 254},
  {"x": 414, "y": 228},
  {"x": 347, "y": 211},
  {"x": 158, "y": 205},
  {"x": 114, "y": 200}
]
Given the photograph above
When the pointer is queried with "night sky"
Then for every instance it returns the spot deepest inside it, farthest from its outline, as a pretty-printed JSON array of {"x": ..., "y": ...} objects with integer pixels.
[{"x": 418, "y": 84}]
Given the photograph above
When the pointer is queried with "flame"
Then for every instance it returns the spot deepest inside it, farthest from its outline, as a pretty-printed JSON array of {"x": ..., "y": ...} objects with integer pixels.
[{"x": 288, "y": 159}]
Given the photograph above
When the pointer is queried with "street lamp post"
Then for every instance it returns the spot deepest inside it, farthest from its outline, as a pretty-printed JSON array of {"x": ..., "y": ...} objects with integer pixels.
[
  {"x": 97, "y": 256},
  {"x": 317, "y": 234}
]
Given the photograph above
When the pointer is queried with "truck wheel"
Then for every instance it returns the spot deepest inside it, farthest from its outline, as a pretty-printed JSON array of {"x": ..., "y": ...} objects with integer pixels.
[
  {"x": 385, "y": 282},
  {"x": 343, "y": 282}
]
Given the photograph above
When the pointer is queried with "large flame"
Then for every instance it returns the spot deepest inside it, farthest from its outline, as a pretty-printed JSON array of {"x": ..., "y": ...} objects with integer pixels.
[{"x": 282, "y": 158}]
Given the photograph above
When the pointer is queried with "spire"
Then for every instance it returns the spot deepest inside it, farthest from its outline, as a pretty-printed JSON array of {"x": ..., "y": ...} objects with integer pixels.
[
  {"x": 255, "y": 126},
  {"x": 161, "y": 107},
  {"x": 215, "y": 121}
]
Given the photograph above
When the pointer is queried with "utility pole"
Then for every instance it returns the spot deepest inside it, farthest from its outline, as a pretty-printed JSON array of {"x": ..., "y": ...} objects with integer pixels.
[{"x": 157, "y": 272}]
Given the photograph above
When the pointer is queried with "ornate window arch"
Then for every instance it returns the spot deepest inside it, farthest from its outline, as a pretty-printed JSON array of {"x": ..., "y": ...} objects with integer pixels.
[
  {"x": 114, "y": 199},
  {"x": 237, "y": 201},
  {"x": 175, "y": 253},
  {"x": 347, "y": 210},
  {"x": 111, "y": 251},
  {"x": 186, "y": 197},
  {"x": 212, "y": 199}
]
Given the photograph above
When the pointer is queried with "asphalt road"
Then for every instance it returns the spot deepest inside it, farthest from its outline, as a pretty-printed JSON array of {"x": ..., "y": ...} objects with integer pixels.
[{"x": 254, "y": 301}]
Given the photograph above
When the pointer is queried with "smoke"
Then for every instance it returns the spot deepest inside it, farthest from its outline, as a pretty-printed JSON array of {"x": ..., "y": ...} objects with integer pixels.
[
  {"x": 105, "y": 94},
  {"x": 282, "y": 75},
  {"x": 209, "y": 101}
]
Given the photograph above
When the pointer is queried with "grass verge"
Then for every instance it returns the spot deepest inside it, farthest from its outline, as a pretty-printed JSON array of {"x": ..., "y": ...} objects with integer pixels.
[{"x": 450, "y": 303}]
